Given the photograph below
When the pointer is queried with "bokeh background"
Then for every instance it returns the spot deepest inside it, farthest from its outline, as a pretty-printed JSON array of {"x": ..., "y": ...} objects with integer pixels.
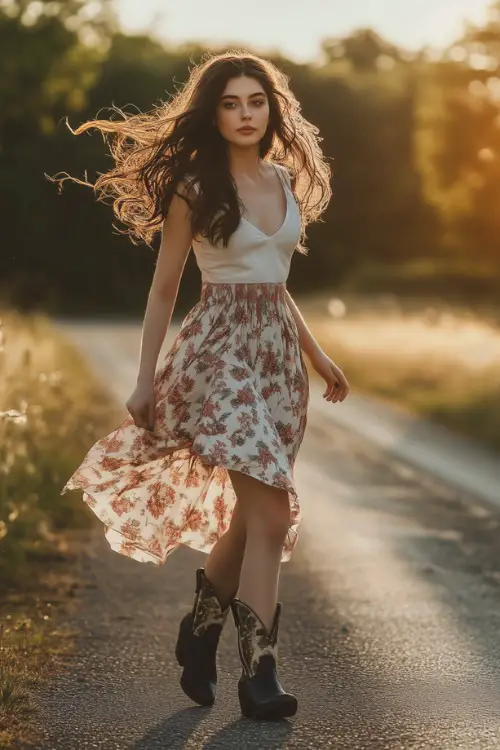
[{"x": 406, "y": 96}]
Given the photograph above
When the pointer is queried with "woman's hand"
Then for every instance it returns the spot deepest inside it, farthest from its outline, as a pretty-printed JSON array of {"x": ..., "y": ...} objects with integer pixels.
[
  {"x": 141, "y": 406},
  {"x": 336, "y": 382}
]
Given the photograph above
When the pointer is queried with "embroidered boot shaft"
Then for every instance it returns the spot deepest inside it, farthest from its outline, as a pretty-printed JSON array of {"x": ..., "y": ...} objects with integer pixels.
[{"x": 207, "y": 610}]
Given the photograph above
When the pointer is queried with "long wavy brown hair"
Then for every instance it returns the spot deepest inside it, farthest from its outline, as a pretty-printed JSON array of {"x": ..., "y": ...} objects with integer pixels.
[{"x": 177, "y": 142}]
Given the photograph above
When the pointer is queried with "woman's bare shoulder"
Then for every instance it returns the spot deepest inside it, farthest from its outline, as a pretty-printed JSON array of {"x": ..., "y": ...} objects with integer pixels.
[{"x": 288, "y": 173}]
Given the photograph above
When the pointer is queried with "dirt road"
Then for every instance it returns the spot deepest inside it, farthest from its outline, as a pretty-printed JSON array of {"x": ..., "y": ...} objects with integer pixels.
[{"x": 391, "y": 603}]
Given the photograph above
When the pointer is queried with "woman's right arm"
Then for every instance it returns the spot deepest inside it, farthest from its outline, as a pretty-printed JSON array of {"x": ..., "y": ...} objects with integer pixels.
[{"x": 176, "y": 238}]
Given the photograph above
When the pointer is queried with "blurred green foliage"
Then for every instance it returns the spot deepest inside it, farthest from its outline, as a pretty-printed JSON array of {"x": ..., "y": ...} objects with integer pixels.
[
  {"x": 51, "y": 410},
  {"x": 415, "y": 143}
]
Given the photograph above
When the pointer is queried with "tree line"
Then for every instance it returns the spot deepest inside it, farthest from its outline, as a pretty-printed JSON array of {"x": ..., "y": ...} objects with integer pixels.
[{"x": 414, "y": 141}]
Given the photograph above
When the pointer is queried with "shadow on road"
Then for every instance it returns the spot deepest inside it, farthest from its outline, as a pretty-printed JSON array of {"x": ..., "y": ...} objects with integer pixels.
[
  {"x": 252, "y": 735},
  {"x": 175, "y": 731}
]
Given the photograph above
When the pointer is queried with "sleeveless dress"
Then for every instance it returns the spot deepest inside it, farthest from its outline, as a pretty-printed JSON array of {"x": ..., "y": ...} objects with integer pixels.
[{"x": 231, "y": 393}]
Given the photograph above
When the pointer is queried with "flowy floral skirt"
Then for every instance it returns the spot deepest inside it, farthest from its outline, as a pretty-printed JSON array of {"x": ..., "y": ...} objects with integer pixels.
[{"x": 231, "y": 393}]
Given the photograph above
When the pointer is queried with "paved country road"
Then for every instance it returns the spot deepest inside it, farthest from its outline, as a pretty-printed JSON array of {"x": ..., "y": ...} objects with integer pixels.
[{"x": 391, "y": 603}]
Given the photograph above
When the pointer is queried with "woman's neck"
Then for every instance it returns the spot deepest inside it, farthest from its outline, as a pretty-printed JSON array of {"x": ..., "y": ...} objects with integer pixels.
[{"x": 244, "y": 162}]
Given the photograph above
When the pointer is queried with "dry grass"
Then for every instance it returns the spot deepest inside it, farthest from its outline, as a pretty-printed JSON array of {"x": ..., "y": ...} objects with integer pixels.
[
  {"x": 51, "y": 410},
  {"x": 33, "y": 641},
  {"x": 441, "y": 362}
]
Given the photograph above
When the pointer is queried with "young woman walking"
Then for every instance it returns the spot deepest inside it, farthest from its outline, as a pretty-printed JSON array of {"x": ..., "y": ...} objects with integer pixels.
[{"x": 205, "y": 458}]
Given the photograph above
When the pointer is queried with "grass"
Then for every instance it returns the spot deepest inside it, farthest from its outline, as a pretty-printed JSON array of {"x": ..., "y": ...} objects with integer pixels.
[
  {"x": 438, "y": 361},
  {"x": 33, "y": 643},
  {"x": 51, "y": 410}
]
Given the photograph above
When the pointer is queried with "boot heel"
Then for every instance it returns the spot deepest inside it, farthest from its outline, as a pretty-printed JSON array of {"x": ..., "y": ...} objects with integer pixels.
[
  {"x": 180, "y": 655},
  {"x": 246, "y": 705},
  {"x": 180, "y": 647}
]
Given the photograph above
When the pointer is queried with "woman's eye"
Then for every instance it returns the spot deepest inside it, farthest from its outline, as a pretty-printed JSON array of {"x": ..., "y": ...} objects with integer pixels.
[{"x": 232, "y": 105}]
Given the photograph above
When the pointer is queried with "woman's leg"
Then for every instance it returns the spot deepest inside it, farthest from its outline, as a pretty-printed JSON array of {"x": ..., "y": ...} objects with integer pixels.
[
  {"x": 200, "y": 629},
  {"x": 224, "y": 561},
  {"x": 266, "y": 514},
  {"x": 256, "y": 610}
]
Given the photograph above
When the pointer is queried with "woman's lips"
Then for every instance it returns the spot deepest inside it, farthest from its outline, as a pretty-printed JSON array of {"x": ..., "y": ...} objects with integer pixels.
[{"x": 247, "y": 130}]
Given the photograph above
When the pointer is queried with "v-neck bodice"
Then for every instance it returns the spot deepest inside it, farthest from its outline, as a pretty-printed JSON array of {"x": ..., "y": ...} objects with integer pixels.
[
  {"x": 251, "y": 255},
  {"x": 285, "y": 191}
]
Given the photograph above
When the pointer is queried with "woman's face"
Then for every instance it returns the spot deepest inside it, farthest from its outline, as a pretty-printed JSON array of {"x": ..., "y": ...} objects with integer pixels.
[{"x": 243, "y": 104}]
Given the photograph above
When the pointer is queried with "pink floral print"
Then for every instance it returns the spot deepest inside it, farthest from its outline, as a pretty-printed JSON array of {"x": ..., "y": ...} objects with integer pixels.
[{"x": 231, "y": 393}]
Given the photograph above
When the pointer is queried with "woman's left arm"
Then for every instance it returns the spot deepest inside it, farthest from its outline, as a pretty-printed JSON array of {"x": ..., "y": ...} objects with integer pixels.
[
  {"x": 308, "y": 343},
  {"x": 337, "y": 385}
]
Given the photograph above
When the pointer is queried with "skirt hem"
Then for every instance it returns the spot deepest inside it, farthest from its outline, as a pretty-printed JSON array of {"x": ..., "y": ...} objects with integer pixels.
[{"x": 130, "y": 548}]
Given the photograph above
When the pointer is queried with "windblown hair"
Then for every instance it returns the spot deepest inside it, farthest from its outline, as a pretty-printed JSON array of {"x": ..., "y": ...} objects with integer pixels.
[{"x": 176, "y": 144}]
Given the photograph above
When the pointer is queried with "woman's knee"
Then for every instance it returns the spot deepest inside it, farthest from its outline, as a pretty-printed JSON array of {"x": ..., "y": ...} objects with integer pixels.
[
  {"x": 266, "y": 509},
  {"x": 272, "y": 520}
]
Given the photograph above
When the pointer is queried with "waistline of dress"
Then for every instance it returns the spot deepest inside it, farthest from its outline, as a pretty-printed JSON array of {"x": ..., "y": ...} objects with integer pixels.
[{"x": 274, "y": 291}]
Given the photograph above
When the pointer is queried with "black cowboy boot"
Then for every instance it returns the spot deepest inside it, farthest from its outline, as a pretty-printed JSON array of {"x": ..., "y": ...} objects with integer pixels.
[
  {"x": 260, "y": 693},
  {"x": 196, "y": 648}
]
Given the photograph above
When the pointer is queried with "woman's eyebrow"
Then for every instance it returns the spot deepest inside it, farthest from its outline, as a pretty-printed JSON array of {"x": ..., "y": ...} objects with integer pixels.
[{"x": 233, "y": 96}]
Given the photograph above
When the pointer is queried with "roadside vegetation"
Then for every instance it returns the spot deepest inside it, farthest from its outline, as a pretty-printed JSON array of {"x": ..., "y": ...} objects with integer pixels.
[
  {"x": 440, "y": 361},
  {"x": 51, "y": 410}
]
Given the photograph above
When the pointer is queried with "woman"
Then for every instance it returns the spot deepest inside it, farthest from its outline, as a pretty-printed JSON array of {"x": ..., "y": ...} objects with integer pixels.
[{"x": 205, "y": 458}]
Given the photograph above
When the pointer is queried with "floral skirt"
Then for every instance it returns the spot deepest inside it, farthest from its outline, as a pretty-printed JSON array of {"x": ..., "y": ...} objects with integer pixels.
[{"x": 231, "y": 393}]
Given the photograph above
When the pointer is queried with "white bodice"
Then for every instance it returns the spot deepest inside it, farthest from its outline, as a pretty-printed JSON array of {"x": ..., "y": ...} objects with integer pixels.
[{"x": 252, "y": 256}]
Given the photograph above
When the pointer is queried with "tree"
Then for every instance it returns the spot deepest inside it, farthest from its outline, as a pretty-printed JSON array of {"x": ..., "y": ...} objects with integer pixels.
[
  {"x": 459, "y": 140},
  {"x": 50, "y": 56},
  {"x": 364, "y": 49}
]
